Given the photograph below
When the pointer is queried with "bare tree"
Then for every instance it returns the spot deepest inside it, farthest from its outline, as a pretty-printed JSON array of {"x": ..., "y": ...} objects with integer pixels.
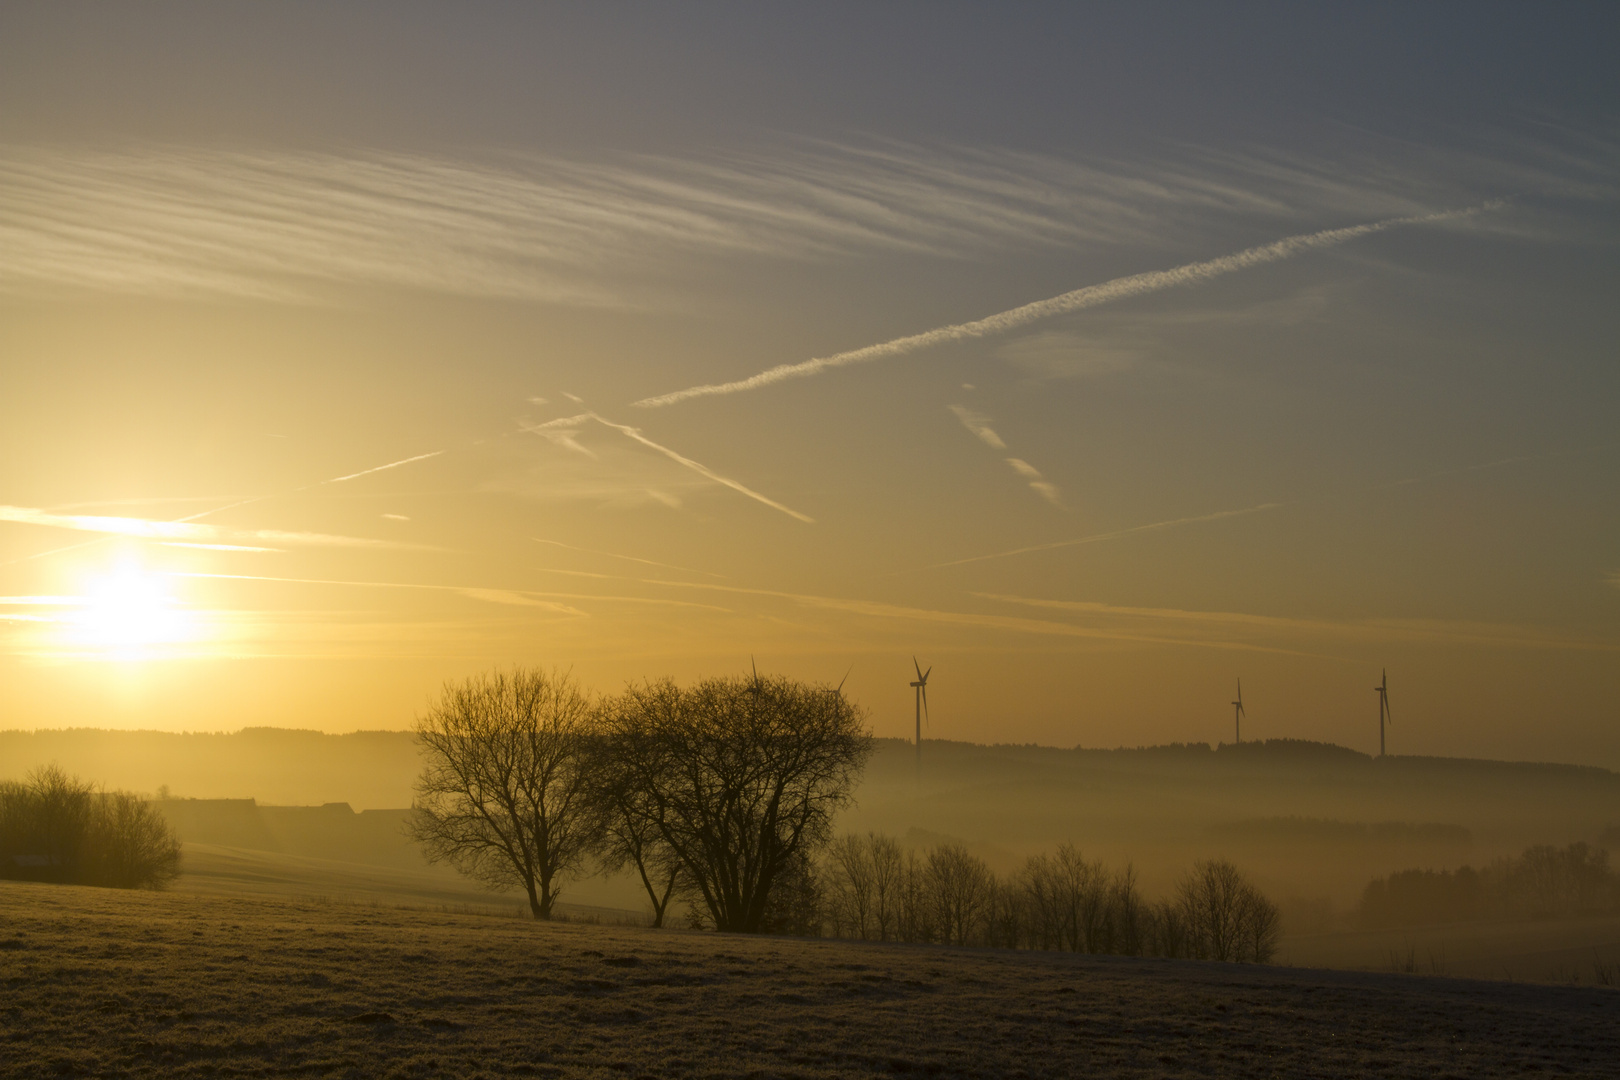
[
  {"x": 1006, "y": 920},
  {"x": 1262, "y": 928},
  {"x": 1227, "y": 918},
  {"x": 864, "y": 881},
  {"x": 1068, "y": 900},
  {"x": 916, "y": 910},
  {"x": 629, "y": 830},
  {"x": 1170, "y": 935},
  {"x": 888, "y": 870},
  {"x": 962, "y": 890},
  {"x": 1127, "y": 913},
  {"x": 1045, "y": 903},
  {"x": 503, "y": 794},
  {"x": 741, "y": 778},
  {"x": 851, "y": 890}
]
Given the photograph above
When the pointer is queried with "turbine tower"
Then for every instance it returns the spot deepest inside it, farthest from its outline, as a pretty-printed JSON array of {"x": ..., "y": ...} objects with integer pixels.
[
  {"x": 1382, "y": 690},
  {"x": 921, "y": 686},
  {"x": 1237, "y": 712}
]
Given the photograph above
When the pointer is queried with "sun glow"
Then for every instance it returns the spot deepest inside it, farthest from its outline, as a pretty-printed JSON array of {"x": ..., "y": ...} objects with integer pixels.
[{"x": 129, "y": 613}]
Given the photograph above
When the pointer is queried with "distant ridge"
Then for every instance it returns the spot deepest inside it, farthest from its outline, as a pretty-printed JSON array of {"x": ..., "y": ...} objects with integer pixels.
[
  {"x": 377, "y": 769},
  {"x": 1274, "y": 749}
]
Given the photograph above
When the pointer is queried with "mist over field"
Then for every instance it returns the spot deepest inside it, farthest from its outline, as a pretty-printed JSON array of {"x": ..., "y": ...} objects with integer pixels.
[{"x": 301, "y": 812}]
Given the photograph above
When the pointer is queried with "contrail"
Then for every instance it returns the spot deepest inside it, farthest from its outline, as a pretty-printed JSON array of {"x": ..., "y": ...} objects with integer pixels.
[
  {"x": 1090, "y": 296},
  {"x": 680, "y": 459},
  {"x": 1105, "y": 536},
  {"x": 627, "y": 558},
  {"x": 1520, "y": 460},
  {"x": 380, "y": 468}
]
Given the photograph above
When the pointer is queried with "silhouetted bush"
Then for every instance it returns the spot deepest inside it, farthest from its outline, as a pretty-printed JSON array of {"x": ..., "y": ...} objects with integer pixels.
[{"x": 54, "y": 827}]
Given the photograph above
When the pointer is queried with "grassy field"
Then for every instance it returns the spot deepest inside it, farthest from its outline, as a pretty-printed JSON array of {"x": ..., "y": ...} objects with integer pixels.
[
  {"x": 1561, "y": 951},
  {"x": 198, "y": 983},
  {"x": 215, "y": 870}
]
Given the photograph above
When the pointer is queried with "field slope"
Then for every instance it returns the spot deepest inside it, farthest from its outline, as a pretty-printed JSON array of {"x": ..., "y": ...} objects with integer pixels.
[{"x": 101, "y": 983}]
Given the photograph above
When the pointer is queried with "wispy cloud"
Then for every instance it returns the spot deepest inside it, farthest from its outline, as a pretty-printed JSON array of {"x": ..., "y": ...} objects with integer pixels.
[
  {"x": 287, "y": 225},
  {"x": 1037, "y": 483},
  {"x": 1090, "y": 296},
  {"x": 878, "y": 609},
  {"x": 980, "y": 427},
  {"x": 216, "y": 547},
  {"x": 1233, "y": 624},
  {"x": 508, "y": 597},
  {"x": 269, "y": 225},
  {"x": 185, "y": 531},
  {"x": 626, "y": 558},
  {"x": 148, "y": 528},
  {"x": 1096, "y": 538},
  {"x": 563, "y": 432}
]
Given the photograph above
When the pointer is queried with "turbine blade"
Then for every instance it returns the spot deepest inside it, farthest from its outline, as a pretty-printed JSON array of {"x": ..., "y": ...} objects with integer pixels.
[
  {"x": 924, "y": 688},
  {"x": 918, "y": 667},
  {"x": 925, "y": 675},
  {"x": 845, "y": 679}
]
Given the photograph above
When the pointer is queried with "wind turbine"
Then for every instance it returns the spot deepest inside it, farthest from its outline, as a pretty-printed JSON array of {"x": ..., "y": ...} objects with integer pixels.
[
  {"x": 1237, "y": 712},
  {"x": 756, "y": 685},
  {"x": 921, "y": 686},
  {"x": 839, "y": 689},
  {"x": 1382, "y": 690}
]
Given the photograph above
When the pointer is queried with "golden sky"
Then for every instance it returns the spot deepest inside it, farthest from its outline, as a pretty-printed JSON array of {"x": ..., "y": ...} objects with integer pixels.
[{"x": 327, "y": 379}]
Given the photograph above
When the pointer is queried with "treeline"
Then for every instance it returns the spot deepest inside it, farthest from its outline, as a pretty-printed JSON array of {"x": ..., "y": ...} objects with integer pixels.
[
  {"x": 875, "y": 891},
  {"x": 1543, "y": 882},
  {"x": 54, "y": 827}
]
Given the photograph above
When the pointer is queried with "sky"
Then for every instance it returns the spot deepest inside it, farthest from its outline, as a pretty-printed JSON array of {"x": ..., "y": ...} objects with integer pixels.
[{"x": 1093, "y": 357}]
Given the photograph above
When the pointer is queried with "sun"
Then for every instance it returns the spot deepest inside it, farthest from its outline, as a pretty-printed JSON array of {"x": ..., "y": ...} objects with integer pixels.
[{"x": 129, "y": 611}]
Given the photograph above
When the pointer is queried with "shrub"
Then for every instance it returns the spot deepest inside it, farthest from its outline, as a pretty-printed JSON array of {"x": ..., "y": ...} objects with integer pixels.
[{"x": 54, "y": 827}]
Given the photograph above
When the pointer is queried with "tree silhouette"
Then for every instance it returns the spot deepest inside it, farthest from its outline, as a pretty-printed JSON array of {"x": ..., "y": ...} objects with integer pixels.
[
  {"x": 740, "y": 779},
  {"x": 504, "y": 792}
]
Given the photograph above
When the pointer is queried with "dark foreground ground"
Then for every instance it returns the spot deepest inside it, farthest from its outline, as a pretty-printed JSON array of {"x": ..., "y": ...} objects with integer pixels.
[{"x": 102, "y": 983}]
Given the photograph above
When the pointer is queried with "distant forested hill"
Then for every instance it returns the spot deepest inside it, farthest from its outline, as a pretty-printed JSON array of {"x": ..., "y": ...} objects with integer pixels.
[{"x": 367, "y": 769}]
